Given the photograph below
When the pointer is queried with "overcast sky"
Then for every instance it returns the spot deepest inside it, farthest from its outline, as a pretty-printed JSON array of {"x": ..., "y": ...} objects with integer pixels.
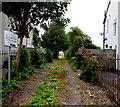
[{"x": 88, "y": 15}]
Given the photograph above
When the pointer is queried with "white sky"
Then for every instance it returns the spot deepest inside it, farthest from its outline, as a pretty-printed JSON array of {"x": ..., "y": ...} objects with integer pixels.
[{"x": 88, "y": 15}]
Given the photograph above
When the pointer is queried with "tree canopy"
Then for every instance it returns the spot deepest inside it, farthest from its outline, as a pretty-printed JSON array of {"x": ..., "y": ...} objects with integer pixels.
[
  {"x": 24, "y": 15},
  {"x": 54, "y": 38},
  {"x": 77, "y": 39},
  {"x": 36, "y": 38}
]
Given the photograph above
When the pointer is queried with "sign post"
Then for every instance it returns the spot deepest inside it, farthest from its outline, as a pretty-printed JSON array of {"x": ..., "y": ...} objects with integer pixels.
[
  {"x": 10, "y": 40},
  {"x": 9, "y": 61}
]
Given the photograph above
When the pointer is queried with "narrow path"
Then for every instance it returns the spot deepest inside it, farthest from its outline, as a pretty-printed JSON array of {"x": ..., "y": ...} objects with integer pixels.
[
  {"x": 72, "y": 94},
  {"x": 21, "y": 96},
  {"x": 77, "y": 92},
  {"x": 72, "y": 91}
]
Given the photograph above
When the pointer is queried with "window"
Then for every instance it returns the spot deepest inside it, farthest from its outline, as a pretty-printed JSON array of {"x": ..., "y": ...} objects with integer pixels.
[
  {"x": 110, "y": 47},
  {"x": 106, "y": 45},
  {"x": 114, "y": 27}
]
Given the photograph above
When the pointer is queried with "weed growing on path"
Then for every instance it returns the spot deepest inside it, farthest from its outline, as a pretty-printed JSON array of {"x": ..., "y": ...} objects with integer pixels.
[{"x": 45, "y": 93}]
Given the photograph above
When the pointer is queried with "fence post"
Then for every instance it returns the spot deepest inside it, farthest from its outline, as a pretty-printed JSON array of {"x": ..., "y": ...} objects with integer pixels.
[
  {"x": 116, "y": 88},
  {"x": 118, "y": 62}
]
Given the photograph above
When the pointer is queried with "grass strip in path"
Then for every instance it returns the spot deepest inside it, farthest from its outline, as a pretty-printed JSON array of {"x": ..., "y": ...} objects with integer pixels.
[{"x": 46, "y": 91}]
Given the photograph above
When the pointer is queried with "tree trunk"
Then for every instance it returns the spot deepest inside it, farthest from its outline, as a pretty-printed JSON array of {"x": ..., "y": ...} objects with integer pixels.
[{"x": 19, "y": 53}]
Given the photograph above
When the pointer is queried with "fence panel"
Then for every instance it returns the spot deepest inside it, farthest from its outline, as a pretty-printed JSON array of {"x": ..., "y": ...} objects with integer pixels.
[
  {"x": 107, "y": 58},
  {"x": 109, "y": 78}
]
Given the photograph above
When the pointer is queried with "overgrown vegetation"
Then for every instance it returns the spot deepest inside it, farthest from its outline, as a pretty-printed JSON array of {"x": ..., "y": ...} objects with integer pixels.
[
  {"x": 46, "y": 92},
  {"x": 24, "y": 72},
  {"x": 27, "y": 67},
  {"x": 25, "y": 15},
  {"x": 39, "y": 58},
  {"x": 77, "y": 40},
  {"x": 54, "y": 37},
  {"x": 36, "y": 39},
  {"x": 89, "y": 68},
  {"x": 75, "y": 62}
]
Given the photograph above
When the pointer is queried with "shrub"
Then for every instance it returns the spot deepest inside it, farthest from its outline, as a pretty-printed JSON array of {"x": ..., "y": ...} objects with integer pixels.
[
  {"x": 69, "y": 53},
  {"x": 89, "y": 68},
  {"x": 24, "y": 72},
  {"x": 48, "y": 55},
  {"x": 39, "y": 58},
  {"x": 24, "y": 59},
  {"x": 25, "y": 67},
  {"x": 76, "y": 62}
]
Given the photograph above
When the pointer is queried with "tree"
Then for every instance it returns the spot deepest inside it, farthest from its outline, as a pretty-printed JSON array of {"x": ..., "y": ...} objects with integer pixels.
[
  {"x": 75, "y": 32},
  {"x": 77, "y": 39},
  {"x": 36, "y": 38},
  {"x": 24, "y": 15},
  {"x": 89, "y": 45},
  {"x": 54, "y": 38}
]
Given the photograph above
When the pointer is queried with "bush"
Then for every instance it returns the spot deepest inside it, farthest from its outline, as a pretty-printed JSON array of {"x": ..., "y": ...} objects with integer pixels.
[
  {"x": 89, "y": 68},
  {"x": 24, "y": 59},
  {"x": 69, "y": 53},
  {"x": 25, "y": 67},
  {"x": 39, "y": 59},
  {"x": 48, "y": 55},
  {"x": 24, "y": 72},
  {"x": 76, "y": 62}
]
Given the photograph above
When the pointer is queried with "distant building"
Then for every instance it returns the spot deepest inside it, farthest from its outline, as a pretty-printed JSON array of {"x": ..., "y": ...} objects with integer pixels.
[{"x": 112, "y": 28}]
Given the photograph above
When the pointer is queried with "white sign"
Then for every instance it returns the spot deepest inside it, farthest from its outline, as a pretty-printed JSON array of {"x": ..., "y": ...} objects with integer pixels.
[{"x": 10, "y": 39}]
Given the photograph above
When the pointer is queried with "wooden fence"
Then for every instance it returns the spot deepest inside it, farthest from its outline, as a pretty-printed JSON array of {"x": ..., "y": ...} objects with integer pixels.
[
  {"x": 110, "y": 80},
  {"x": 109, "y": 77},
  {"x": 107, "y": 58}
]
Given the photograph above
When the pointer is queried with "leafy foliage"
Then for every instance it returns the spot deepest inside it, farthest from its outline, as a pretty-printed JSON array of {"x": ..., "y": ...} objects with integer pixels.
[
  {"x": 48, "y": 55},
  {"x": 77, "y": 39},
  {"x": 24, "y": 15},
  {"x": 25, "y": 67},
  {"x": 36, "y": 38},
  {"x": 89, "y": 68},
  {"x": 39, "y": 58},
  {"x": 24, "y": 72},
  {"x": 54, "y": 38},
  {"x": 76, "y": 62},
  {"x": 45, "y": 93}
]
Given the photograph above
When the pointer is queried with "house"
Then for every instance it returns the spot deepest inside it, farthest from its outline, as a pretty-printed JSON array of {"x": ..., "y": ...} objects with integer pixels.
[
  {"x": 27, "y": 42},
  {"x": 111, "y": 33}
]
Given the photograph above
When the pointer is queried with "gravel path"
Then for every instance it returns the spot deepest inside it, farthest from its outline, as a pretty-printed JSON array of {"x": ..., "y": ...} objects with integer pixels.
[
  {"x": 77, "y": 92},
  {"x": 72, "y": 94},
  {"x": 21, "y": 96},
  {"x": 73, "y": 91}
]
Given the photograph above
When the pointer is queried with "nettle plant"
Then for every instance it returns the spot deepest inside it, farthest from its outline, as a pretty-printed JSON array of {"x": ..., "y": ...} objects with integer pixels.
[{"x": 89, "y": 68}]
